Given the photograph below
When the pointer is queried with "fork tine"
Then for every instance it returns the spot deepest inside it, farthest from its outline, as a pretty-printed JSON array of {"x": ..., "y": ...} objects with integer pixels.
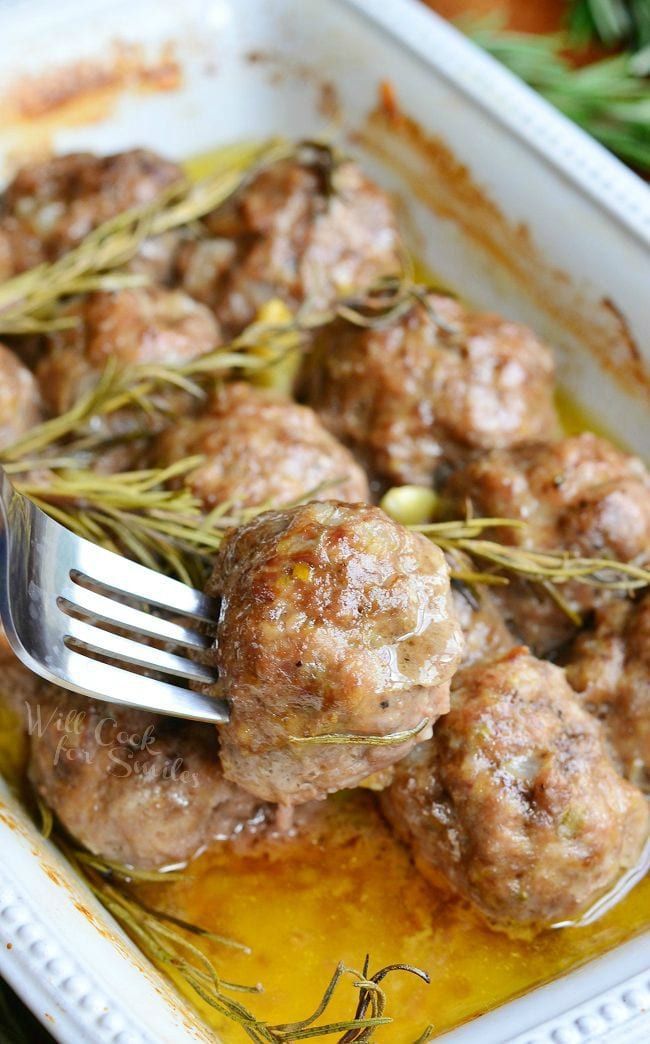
[
  {"x": 97, "y": 608},
  {"x": 97, "y": 564},
  {"x": 125, "y": 649},
  {"x": 105, "y": 682}
]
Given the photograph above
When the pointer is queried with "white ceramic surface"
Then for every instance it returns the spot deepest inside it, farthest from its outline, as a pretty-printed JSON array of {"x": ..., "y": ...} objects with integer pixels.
[{"x": 586, "y": 215}]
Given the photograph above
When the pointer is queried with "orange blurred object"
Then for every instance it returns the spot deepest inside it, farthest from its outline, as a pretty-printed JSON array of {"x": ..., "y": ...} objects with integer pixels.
[{"x": 533, "y": 16}]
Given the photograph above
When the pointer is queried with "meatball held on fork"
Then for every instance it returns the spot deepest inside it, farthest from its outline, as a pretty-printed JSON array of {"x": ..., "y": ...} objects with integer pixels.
[{"x": 336, "y": 645}]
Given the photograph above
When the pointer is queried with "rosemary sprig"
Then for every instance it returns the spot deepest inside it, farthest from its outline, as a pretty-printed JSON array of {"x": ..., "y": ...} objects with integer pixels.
[
  {"x": 609, "y": 98},
  {"x": 372, "y": 997},
  {"x": 134, "y": 513},
  {"x": 380, "y": 305},
  {"x": 82, "y": 432},
  {"x": 118, "y": 870},
  {"x": 28, "y": 301},
  {"x": 613, "y": 23},
  {"x": 349, "y": 739},
  {"x": 557, "y": 567},
  {"x": 560, "y": 567},
  {"x": 425, "y": 1036}
]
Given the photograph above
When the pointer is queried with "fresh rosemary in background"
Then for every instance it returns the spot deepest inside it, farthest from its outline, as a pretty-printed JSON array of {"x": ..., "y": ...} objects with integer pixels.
[
  {"x": 614, "y": 23},
  {"x": 610, "y": 97}
]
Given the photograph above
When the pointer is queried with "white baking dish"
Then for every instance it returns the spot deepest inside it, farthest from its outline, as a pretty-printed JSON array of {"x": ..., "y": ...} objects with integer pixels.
[{"x": 580, "y": 273}]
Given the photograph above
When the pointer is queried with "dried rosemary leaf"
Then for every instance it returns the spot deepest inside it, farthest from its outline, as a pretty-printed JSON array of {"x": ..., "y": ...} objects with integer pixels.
[
  {"x": 349, "y": 739},
  {"x": 543, "y": 567},
  {"x": 608, "y": 98}
]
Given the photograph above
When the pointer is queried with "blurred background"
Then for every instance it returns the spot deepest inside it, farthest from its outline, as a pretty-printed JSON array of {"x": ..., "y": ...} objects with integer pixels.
[
  {"x": 535, "y": 16},
  {"x": 590, "y": 58}
]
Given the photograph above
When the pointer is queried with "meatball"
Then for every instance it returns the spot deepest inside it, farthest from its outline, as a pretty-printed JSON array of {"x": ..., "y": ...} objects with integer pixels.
[
  {"x": 295, "y": 231},
  {"x": 434, "y": 384},
  {"x": 20, "y": 400},
  {"x": 50, "y": 207},
  {"x": 135, "y": 326},
  {"x": 483, "y": 626},
  {"x": 609, "y": 668},
  {"x": 335, "y": 620},
  {"x": 515, "y": 800},
  {"x": 142, "y": 790},
  {"x": 19, "y": 687},
  {"x": 579, "y": 495},
  {"x": 260, "y": 449}
]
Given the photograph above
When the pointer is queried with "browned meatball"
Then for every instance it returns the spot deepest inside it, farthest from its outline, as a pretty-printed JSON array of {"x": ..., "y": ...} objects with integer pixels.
[
  {"x": 20, "y": 400},
  {"x": 19, "y": 688},
  {"x": 483, "y": 626},
  {"x": 260, "y": 449},
  {"x": 433, "y": 384},
  {"x": 144, "y": 325},
  {"x": 579, "y": 495},
  {"x": 289, "y": 233},
  {"x": 334, "y": 620},
  {"x": 515, "y": 800},
  {"x": 609, "y": 668},
  {"x": 140, "y": 789},
  {"x": 50, "y": 207}
]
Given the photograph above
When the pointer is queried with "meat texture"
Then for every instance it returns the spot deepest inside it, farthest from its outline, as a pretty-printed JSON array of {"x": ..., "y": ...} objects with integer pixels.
[
  {"x": 139, "y": 789},
  {"x": 19, "y": 687},
  {"x": 130, "y": 327},
  {"x": 260, "y": 449},
  {"x": 20, "y": 399},
  {"x": 49, "y": 207},
  {"x": 608, "y": 665},
  {"x": 299, "y": 231},
  {"x": 579, "y": 495},
  {"x": 433, "y": 385},
  {"x": 483, "y": 627},
  {"x": 515, "y": 800},
  {"x": 335, "y": 620}
]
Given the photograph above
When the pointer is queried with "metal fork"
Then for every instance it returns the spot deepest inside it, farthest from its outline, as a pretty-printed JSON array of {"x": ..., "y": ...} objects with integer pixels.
[{"x": 68, "y": 607}]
